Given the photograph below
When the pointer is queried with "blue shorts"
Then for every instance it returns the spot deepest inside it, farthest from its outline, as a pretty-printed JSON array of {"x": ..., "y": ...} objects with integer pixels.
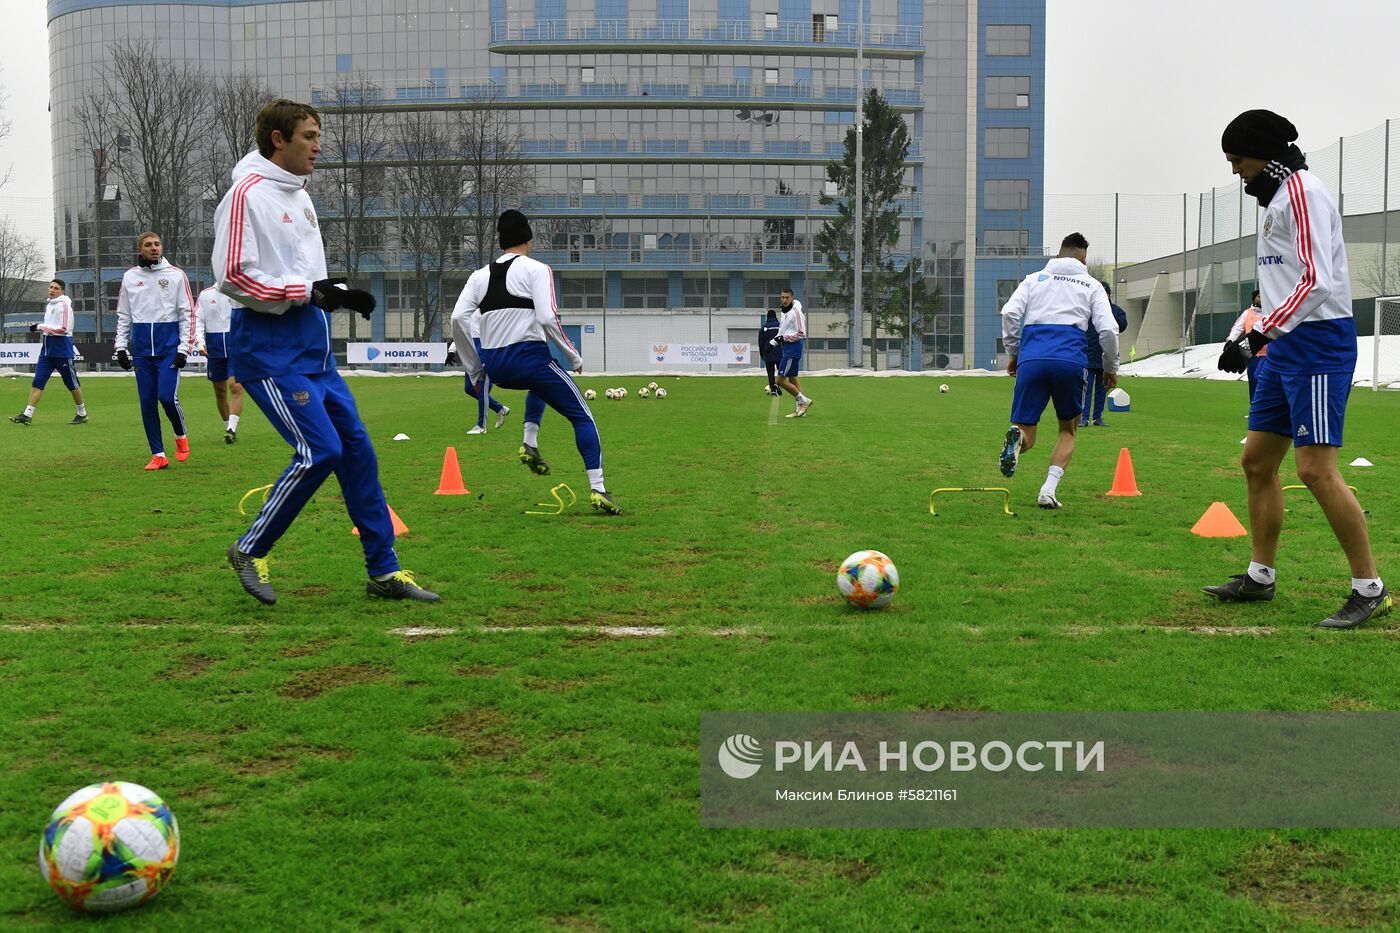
[
  {"x": 790, "y": 363},
  {"x": 217, "y": 369},
  {"x": 1308, "y": 407},
  {"x": 1039, "y": 381},
  {"x": 48, "y": 365}
]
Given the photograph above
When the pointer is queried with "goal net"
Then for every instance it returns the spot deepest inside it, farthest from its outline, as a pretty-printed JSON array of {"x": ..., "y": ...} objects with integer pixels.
[{"x": 1384, "y": 365}]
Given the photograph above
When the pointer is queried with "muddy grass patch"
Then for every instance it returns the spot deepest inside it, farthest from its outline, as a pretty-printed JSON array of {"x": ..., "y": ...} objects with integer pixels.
[
  {"x": 482, "y": 732},
  {"x": 307, "y": 685},
  {"x": 806, "y": 870},
  {"x": 1306, "y": 883}
]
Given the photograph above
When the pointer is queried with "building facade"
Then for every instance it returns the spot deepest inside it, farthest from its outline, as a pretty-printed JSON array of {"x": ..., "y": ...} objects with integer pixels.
[{"x": 677, "y": 148}]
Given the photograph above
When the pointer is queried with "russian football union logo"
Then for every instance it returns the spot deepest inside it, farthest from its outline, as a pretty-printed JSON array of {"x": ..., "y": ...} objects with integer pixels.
[
  {"x": 660, "y": 350},
  {"x": 163, "y": 283},
  {"x": 741, "y": 756},
  {"x": 301, "y": 398},
  {"x": 1268, "y": 223},
  {"x": 310, "y": 216}
]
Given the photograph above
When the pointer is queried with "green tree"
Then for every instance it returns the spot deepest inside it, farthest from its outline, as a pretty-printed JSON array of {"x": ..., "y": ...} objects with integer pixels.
[{"x": 886, "y": 275}]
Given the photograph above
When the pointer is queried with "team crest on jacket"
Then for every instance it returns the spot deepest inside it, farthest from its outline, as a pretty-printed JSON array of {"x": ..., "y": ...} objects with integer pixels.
[
  {"x": 310, "y": 216},
  {"x": 301, "y": 397},
  {"x": 1268, "y": 223},
  {"x": 163, "y": 283}
]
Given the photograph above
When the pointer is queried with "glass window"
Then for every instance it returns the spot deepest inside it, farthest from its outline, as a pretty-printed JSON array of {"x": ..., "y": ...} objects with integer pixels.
[
  {"x": 1006, "y": 194},
  {"x": 1005, "y": 288},
  {"x": 830, "y": 188},
  {"x": 590, "y": 186},
  {"x": 644, "y": 293},
  {"x": 1008, "y": 142},
  {"x": 1005, "y": 242},
  {"x": 586, "y": 75},
  {"x": 1008, "y": 40},
  {"x": 770, "y": 20},
  {"x": 575, "y": 292},
  {"x": 1008, "y": 92},
  {"x": 770, "y": 76}
]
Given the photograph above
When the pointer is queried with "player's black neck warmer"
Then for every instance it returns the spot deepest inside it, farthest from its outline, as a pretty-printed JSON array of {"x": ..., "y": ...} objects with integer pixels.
[
  {"x": 1266, "y": 183},
  {"x": 145, "y": 263}
]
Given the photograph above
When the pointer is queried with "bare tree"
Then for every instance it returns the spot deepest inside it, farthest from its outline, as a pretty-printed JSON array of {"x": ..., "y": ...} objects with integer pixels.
[
  {"x": 163, "y": 109},
  {"x": 102, "y": 140},
  {"x": 5, "y": 127},
  {"x": 497, "y": 174},
  {"x": 21, "y": 263},
  {"x": 356, "y": 141},
  {"x": 428, "y": 184}
]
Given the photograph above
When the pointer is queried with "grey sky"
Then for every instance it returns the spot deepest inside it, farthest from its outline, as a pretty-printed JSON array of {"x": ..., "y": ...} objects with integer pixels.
[{"x": 1137, "y": 90}]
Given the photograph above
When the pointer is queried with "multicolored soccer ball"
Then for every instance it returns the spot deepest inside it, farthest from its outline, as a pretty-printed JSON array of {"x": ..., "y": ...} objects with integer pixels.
[
  {"x": 643, "y": 392},
  {"x": 660, "y": 393},
  {"x": 109, "y": 846},
  {"x": 868, "y": 579},
  {"x": 589, "y": 394}
]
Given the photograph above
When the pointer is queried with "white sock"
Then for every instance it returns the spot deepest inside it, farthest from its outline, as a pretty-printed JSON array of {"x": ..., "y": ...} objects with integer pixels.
[
  {"x": 233, "y": 423},
  {"x": 802, "y": 399},
  {"x": 1367, "y": 586},
  {"x": 1052, "y": 480},
  {"x": 532, "y": 434},
  {"x": 1259, "y": 573},
  {"x": 82, "y": 410},
  {"x": 180, "y": 437},
  {"x": 158, "y": 453},
  {"x": 382, "y": 577},
  {"x": 29, "y": 411},
  {"x": 595, "y": 480}
]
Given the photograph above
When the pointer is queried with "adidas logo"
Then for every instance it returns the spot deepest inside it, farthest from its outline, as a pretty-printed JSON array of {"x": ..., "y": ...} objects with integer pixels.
[
  {"x": 1302, "y": 430},
  {"x": 286, "y": 218}
]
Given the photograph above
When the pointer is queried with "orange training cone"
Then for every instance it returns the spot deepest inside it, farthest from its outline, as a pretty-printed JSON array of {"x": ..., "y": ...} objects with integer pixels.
[
  {"x": 399, "y": 527},
  {"x": 1218, "y": 522},
  {"x": 451, "y": 482},
  {"x": 1124, "y": 483}
]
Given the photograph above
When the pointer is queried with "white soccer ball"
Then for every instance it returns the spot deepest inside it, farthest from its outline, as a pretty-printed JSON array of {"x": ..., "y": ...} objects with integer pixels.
[
  {"x": 868, "y": 579},
  {"x": 621, "y": 393},
  {"x": 109, "y": 846},
  {"x": 644, "y": 392},
  {"x": 589, "y": 394},
  {"x": 611, "y": 394},
  {"x": 652, "y": 386},
  {"x": 943, "y": 388},
  {"x": 660, "y": 392}
]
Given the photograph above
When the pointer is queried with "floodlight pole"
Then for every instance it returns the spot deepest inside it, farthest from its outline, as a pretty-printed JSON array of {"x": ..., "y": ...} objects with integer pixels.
[{"x": 857, "y": 315}]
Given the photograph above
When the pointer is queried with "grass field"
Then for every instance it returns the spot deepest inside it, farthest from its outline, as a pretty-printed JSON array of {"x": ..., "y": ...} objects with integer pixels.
[{"x": 532, "y": 771}]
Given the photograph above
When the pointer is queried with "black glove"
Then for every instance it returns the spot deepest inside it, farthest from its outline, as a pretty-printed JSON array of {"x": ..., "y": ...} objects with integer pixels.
[
  {"x": 33, "y": 328},
  {"x": 1257, "y": 342},
  {"x": 328, "y": 295},
  {"x": 1233, "y": 358},
  {"x": 179, "y": 360},
  {"x": 359, "y": 301},
  {"x": 124, "y": 359},
  {"x": 452, "y": 359}
]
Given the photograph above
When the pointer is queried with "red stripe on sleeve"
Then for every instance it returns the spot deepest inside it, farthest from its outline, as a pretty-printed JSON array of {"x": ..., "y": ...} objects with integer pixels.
[
  {"x": 1298, "y": 202},
  {"x": 233, "y": 268}
]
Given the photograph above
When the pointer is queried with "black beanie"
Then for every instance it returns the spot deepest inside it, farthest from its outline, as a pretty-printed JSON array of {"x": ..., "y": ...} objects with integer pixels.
[
  {"x": 1259, "y": 134},
  {"x": 514, "y": 229}
]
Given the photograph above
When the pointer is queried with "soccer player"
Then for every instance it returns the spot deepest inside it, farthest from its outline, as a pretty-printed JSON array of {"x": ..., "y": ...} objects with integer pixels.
[
  {"x": 1235, "y": 357},
  {"x": 269, "y": 258},
  {"x": 1043, "y": 328},
  {"x": 1302, "y": 387},
  {"x": 55, "y": 355},
  {"x": 770, "y": 350},
  {"x": 155, "y": 334},
  {"x": 211, "y": 335},
  {"x": 482, "y": 393},
  {"x": 1095, "y": 390},
  {"x": 792, "y": 332},
  {"x": 513, "y": 301}
]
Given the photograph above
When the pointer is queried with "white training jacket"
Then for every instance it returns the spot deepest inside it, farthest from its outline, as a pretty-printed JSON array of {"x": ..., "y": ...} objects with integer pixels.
[
  {"x": 251, "y": 267},
  {"x": 215, "y": 314},
  {"x": 149, "y": 301},
  {"x": 1050, "y": 311},
  {"x": 58, "y": 317},
  {"x": 792, "y": 326},
  {"x": 1304, "y": 285},
  {"x": 508, "y": 326}
]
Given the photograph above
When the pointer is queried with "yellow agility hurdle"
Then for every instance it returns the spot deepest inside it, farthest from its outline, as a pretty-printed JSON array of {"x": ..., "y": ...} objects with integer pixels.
[
  {"x": 1364, "y": 511},
  {"x": 560, "y": 504},
  {"x": 1005, "y": 504}
]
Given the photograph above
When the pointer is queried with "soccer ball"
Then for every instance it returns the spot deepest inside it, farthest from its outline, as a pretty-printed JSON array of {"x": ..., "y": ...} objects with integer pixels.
[
  {"x": 589, "y": 394},
  {"x": 660, "y": 392},
  {"x": 611, "y": 394},
  {"x": 943, "y": 388},
  {"x": 621, "y": 393},
  {"x": 652, "y": 386},
  {"x": 868, "y": 579},
  {"x": 643, "y": 392},
  {"x": 109, "y": 846}
]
